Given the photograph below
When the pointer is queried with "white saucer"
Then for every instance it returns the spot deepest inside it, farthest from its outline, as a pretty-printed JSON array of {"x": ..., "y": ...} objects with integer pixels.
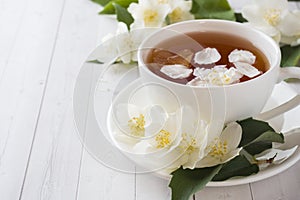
[{"x": 291, "y": 138}]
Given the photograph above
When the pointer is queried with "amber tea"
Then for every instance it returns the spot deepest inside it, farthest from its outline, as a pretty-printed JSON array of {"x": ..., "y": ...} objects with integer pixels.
[{"x": 210, "y": 58}]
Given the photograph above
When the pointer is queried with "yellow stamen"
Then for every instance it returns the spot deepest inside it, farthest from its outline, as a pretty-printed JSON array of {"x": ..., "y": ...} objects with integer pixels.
[
  {"x": 175, "y": 15},
  {"x": 188, "y": 146},
  {"x": 137, "y": 125},
  {"x": 163, "y": 139},
  {"x": 191, "y": 148},
  {"x": 219, "y": 149},
  {"x": 163, "y": 1},
  {"x": 272, "y": 16},
  {"x": 150, "y": 16},
  {"x": 227, "y": 79}
]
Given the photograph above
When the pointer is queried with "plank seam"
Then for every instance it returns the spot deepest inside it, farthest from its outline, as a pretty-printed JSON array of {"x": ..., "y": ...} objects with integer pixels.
[
  {"x": 42, "y": 100},
  {"x": 251, "y": 191},
  {"x": 14, "y": 42}
]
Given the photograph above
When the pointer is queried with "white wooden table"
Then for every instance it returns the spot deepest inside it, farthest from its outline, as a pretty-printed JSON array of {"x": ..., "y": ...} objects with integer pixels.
[{"x": 42, "y": 46}]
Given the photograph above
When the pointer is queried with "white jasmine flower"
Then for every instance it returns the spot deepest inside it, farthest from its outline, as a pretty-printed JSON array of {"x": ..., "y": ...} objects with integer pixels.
[
  {"x": 180, "y": 141},
  {"x": 194, "y": 147},
  {"x": 124, "y": 44},
  {"x": 291, "y": 24},
  {"x": 207, "y": 56},
  {"x": 167, "y": 138},
  {"x": 176, "y": 71},
  {"x": 241, "y": 56},
  {"x": 180, "y": 11},
  {"x": 224, "y": 148},
  {"x": 154, "y": 148},
  {"x": 231, "y": 76},
  {"x": 218, "y": 75},
  {"x": 273, "y": 18},
  {"x": 291, "y": 28},
  {"x": 193, "y": 141},
  {"x": 247, "y": 69},
  {"x": 139, "y": 122},
  {"x": 148, "y": 13},
  {"x": 293, "y": 41}
]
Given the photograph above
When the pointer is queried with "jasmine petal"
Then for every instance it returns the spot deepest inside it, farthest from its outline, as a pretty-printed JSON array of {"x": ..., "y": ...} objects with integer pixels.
[
  {"x": 219, "y": 68},
  {"x": 241, "y": 56},
  {"x": 207, "y": 56},
  {"x": 201, "y": 72},
  {"x": 176, "y": 71},
  {"x": 246, "y": 69}
]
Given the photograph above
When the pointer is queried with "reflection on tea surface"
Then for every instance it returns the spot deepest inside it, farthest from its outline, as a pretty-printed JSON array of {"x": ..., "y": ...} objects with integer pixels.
[{"x": 209, "y": 58}]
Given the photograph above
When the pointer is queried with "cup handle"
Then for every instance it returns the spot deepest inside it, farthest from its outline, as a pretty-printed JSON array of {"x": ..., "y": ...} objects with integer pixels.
[
  {"x": 285, "y": 73},
  {"x": 289, "y": 72}
]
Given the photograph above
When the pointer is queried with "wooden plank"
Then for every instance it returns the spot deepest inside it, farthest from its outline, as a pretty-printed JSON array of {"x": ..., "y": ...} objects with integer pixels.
[
  {"x": 9, "y": 29},
  {"x": 283, "y": 186},
  {"x": 268, "y": 189},
  {"x": 99, "y": 182},
  {"x": 290, "y": 182},
  {"x": 149, "y": 186},
  {"x": 28, "y": 31},
  {"x": 98, "y": 179},
  {"x": 54, "y": 164},
  {"x": 230, "y": 192}
]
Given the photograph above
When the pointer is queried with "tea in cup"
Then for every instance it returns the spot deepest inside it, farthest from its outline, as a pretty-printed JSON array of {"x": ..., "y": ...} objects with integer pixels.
[{"x": 225, "y": 70}]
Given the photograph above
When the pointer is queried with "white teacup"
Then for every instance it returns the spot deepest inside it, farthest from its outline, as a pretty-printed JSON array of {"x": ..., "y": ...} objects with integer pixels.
[{"x": 229, "y": 102}]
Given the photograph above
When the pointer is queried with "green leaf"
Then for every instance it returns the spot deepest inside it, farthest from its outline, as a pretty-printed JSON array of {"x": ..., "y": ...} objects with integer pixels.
[
  {"x": 95, "y": 61},
  {"x": 110, "y": 9},
  {"x": 263, "y": 142},
  {"x": 238, "y": 166},
  {"x": 269, "y": 136},
  {"x": 212, "y": 9},
  {"x": 258, "y": 147},
  {"x": 239, "y": 17},
  {"x": 101, "y": 2},
  {"x": 186, "y": 182},
  {"x": 252, "y": 129},
  {"x": 290, "y": 56},
  {"x": 123, "y": 15}
]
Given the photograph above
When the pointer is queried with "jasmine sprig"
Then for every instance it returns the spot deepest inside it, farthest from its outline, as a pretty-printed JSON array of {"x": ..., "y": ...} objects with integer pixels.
[{"x": 277, "y": 21}]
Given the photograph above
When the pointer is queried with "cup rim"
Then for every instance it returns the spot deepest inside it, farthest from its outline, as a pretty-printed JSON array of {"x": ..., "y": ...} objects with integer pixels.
[{"x": 141, "y": 63}]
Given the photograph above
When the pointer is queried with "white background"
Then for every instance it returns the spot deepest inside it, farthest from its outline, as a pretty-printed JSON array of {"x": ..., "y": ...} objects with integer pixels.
[{"x": 42, "y": 46}]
